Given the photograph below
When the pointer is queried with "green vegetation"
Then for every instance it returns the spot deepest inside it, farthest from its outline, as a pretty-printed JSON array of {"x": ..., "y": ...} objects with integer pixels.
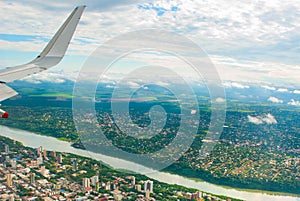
[
  {"x": 62, "y": 95},
  {"x": 253, "y": 156}
]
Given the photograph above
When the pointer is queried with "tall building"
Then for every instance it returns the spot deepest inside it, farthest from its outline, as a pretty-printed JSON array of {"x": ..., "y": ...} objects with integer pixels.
[
  {"x": 86, "y": 182},
  {"x": 138, "y": 188},
  {"x": 53, "y": 154},
  {"x": 107, "y": 186},
  {"x": 113, "y": 186},
  {"x": 7, "y": 159},
  {"x": 13, "y": 162},
  {"x": 45, "y": 154},
  {"x": 12, "y": 197},
  {"x": 133, "y": 180},
  {"x": 59, "y": 158},
  {"x": 74, "y": 165},
  {"x": 199, "y": 194},
  {"x": 9, "y": 179},
  {"x": 40, "y": 149},
  {"x": 6, "y": 147},
  {"x": 94, "y": 180},
  {"x": 32, "y": 178},
  {"x": 44, "y": 171},
  {"x": 148, "y": 185},
  {"x": 40, "y": 160},
  {"x": 147, "y": 194}
]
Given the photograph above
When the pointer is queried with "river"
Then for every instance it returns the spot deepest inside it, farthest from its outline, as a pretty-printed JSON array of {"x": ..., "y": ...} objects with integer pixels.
[{"x": 52, "y": 144}]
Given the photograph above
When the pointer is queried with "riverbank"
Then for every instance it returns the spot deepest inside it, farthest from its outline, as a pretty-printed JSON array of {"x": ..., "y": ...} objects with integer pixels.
[
  {"x": 50, "y": 143},
  {"x": 267, "y": 187},
  {"x": 73, "y": 178}
]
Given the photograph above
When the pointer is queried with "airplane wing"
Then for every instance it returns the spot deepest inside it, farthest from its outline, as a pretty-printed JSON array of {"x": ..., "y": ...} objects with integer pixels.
[
  {"x": 6, "y": 92},
  {"x": 50, "y": 56}
]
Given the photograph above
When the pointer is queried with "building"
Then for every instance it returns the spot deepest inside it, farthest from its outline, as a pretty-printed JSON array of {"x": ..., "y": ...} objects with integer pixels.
[
  {"x": 6, "y": 147},
  {"x": 12, "y": 197},
  {"x": 94, "y": 180},
  {"x": 53, "y": 154},
  {"x": 40, "y": 160},
  {"x": 132, "y": 180},
  {"x": 13, "y": 162},
  {"x": 117, "y": 196},
  {"x": 7, "y": 158},
  {"x": 44, "y": 171},
  {"x": 113, "y": 186},
  {"x": 32, "y": 178},
  {"x": 147, "y": 194},
  {"x": 86, "y": 182},
  {"x": 45, "y": 154},
  {"x": 138, "y": 188},
  {"x": 40, "y": 149},
  {"x": 9, "y": 181},
  {"x": 148, "y": 185},
  {"x": 74, "y": 164},
  {"x": 59, "y": 158}
]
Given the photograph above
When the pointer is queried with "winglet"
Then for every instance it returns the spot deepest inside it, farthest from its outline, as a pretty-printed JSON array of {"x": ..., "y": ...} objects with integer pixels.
[{"x": 57, "y": 47}]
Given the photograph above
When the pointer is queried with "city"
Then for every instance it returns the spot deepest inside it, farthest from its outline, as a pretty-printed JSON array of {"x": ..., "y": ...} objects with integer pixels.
[{"x": 38, "y": 174}]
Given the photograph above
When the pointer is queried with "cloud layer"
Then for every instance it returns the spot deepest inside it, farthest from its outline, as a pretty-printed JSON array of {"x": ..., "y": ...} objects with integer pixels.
[
  {"x": 247, "y": 41},
  {"x": 263, "y": 119},
  {"x": 275, "y": 100}
]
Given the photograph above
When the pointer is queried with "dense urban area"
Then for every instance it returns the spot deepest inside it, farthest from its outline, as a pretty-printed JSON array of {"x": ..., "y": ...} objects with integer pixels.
[{"x": 38, "y": 174}]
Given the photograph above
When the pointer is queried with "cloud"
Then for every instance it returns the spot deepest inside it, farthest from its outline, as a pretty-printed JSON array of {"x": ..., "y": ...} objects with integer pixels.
[
  {"x": 275, "y": 100},
  {"x": 240, "y": 36},
  {"x": 161, "y": 83},
  {"x": 296, "y": 91},
  {"x": 245, "y": 70},
  {"x": 282, "y": 90},
  {"x": 294, "y": 102},
  {"x": 220, "y": 100},
  {"x": 132, "y": 84},
  {"x": 109, "y": 86},
  {"x": 268, "y": 87},
  {"x": 235, "y": 85},
  {"x": 263, "y": 119},
  {"x": 51, "y": 76}
]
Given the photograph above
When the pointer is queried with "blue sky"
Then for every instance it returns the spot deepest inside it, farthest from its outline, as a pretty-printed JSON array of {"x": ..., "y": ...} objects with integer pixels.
[{"x": 248, "y": 42}]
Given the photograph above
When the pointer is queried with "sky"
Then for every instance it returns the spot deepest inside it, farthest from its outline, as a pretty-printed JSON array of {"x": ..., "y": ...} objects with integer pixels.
[{"x": 248, "y": 42}]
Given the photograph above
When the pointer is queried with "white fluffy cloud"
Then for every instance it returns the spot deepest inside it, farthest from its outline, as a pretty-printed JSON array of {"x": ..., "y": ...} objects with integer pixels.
[
  {"x": 268, "y": 87},
  {"x": 132, "y": 84},
  {"x": 220, "y": 100},
  {"x": 53, "y": 77},
  {"x": 282, "y": 90},
  {"x": 296, "y": 91},
  {"x": 263, "y": 119},
  {"x": 235, "y": 85},
  {"x": 275, "y": 100},
  {"x": 294, "y": 102}
]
